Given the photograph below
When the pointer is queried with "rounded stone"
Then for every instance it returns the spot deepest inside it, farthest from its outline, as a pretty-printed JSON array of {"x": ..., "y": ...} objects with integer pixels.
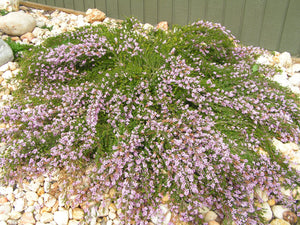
[
  {"x": 278, "y": 211},
  {"x": 7, "y": 75},
  {"x": 271, "y": 202},
  {"x": 210, "y": 216},
  {"x": 261, "y": 195},
  {"x": 266, "y": 211},
  {"x": 279, "y": 222},
  {"x": 5, "y": 208},
  {"x": 46, "y": 217},
  {"x": 61, "y": 217},
  {"x": 74, "y": 222},
  {"x": 295, "y": 79},
  {"x": 3, "y": 200},
  {"x": 17, "y": 23},
  {"x": 213, "y": 223},
  {"x": 31, "y": 196},
  {"x": 27, "y": 218},
  {"x": 290, "y": 217},
  {"x": 15, "y": 215},
  {"x": 6, "y": 54},
  {"x": 112, "y": 215},
  {"x": 49, "y": 200},
  {"x": 77, "y": 214}
]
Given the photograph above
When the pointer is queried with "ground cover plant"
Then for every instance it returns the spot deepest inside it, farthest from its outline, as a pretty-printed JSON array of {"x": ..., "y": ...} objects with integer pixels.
[{"x": 179, "y": 114}]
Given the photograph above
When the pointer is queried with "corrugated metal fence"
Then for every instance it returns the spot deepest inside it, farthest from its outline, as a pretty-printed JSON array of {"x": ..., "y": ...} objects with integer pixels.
[{"x": 272, "y": 24}]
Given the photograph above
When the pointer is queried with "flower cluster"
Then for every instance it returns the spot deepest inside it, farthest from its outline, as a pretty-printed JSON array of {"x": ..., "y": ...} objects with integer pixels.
[{"x": 151, "y": 114}]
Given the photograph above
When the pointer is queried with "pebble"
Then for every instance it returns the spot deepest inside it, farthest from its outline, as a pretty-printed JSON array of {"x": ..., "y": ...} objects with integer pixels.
[
  {"x": 49, "y": 200},
  {"x": 26, "y": 218},
  {"x": 19, "y": 204},
  {"x": 271, "y": 202},
  {"x": 290, "y": 217},
  {"x": 15, "y": 215},
  {"x": 74, "y": 222},
  {"x": 31, "y": 196},
  {"x": 261, "y": 195},
  {"x": 210, "y": 216},
  {"x": 266, "y": 211},
  {"x": 46, "y": 217},
  {"x": 278, "y": 211},
  {"x": 279, "y": 222},
  {"x": 77, "y": 214},
  {"x": 61, "y": 217},
  {"x": 213, "y": 223}
]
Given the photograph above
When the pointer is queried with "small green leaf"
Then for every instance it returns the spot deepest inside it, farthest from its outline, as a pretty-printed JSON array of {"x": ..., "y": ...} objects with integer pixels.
[{"x": 255, "y": 68}]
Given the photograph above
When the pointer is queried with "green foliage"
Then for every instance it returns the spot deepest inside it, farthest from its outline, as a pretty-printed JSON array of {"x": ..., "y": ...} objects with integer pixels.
[
  {"x": 3, "y": 12},
  {"x": 17, "y": 47}
]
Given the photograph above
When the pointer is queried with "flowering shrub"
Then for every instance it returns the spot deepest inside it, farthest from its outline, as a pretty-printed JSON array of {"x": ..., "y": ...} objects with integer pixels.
[{"x": 180, "y": 114}]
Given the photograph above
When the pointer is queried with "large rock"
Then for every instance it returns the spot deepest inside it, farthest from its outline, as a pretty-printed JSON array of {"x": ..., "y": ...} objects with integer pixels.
[
  {"x": 17, "y": 23},
  {"x": 6, "y": 54}
]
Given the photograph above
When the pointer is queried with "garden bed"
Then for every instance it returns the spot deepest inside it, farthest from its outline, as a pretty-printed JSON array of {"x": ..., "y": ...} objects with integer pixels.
[{"x": 183, "y": 119}]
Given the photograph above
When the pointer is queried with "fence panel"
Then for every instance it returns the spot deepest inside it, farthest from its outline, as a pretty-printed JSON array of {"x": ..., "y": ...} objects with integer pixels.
[
  {"x": 290, "y": 39},
  {"x": 234, "y": 15},
  {"x": 78, "y": 5},
  {"x": 150, "y": 11},
  {"x": 101, "y": 5},
  {"x": 272, "y": 24},
  {"x": 49, "y": 2},
  {"x": 165, "y": 10},
  {"x": 137, "y": 9},
  {"x": 60, "y": 3},
  {"x": 124, "y": 8},
  {"x": 180, "y": 10},
  {"x": 252, "y": 22},
  {"x": 89, "y": 4},
  {"x": 69, "y": 4},
  {"x": 197, "y": 10},
  {"x": 112, "y": 8},
  {"x": 214, "y": 11}
]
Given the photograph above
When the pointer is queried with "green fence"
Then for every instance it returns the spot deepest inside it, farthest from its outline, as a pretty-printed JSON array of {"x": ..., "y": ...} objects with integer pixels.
[{"x": 272, "y": 24}]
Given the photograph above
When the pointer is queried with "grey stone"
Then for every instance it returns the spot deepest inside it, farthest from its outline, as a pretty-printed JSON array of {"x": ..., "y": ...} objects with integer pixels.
[
  {"x": 6, "y": 54},
  {"x": 17, "y": 23}
]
